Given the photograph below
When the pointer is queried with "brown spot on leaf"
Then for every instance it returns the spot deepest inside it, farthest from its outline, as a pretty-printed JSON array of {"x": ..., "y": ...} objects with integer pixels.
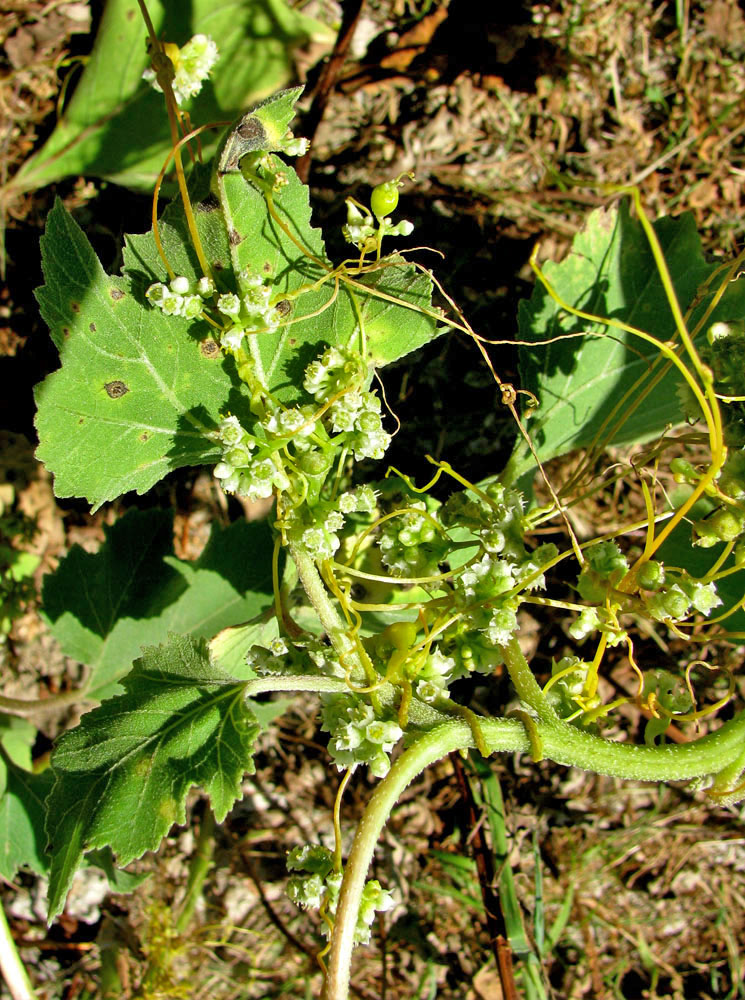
[
  {"x": 144, "y": 436},
  {"x": 210, "y": 349},
  {"x": 116, "y": 294},
  {"x": 235, "y": 238},
  {"x": 75, "y": 306},
  {"x": 210, "y": 204},
  {"x": 284, "y": 307},
  {"x": 65, "y": 332},
  {"x": 116, "y": 389},
  {"x": 293, "y": 341},
  {"x": 267, "y": 268},
  {"x": 252, "y": 132},
  {"x": 92, "y": 327},
  {"x": 217, "y": 265}
]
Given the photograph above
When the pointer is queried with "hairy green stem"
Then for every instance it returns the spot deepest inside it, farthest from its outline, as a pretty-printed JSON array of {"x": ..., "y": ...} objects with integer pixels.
[
  {"x": 335, "y": 627},
  {"x": 11, "y": 966},
  {"x": 561, "y": 742},
  {"x": 198, "y": 868},
  {"x": 528, "y": 689},
  {"x": 27, "y": 709},
  {"x": 319, "y": 685}
]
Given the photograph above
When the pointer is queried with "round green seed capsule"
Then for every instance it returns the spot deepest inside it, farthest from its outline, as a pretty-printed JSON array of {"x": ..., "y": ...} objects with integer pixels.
[
  {"x": 401, "y": 635},
  {"x": 384, "y": 199}
]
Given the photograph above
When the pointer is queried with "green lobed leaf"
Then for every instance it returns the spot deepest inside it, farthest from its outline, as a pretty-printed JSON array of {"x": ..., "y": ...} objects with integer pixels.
[
  {"x": 116, "y": 125},
  {"x": 122, "y": 776},
  {"x": 104, "y": 607},
  {"x": 138, "y": 392},
  {"x": 610, "y": 272}
]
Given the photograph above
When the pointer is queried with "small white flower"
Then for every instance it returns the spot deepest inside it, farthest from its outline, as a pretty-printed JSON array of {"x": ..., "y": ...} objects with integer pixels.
[
  {"x": 232, "y": 339},
  {"x": 229, "y": 304},
  {"x": 192, "y": 64}
]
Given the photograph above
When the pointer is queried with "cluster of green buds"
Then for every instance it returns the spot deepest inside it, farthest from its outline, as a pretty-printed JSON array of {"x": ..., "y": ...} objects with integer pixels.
[
  {"x": 192, "y": 65},
  {"x": 181, "y": 297},
  {"x": 725, "y": 521},
  {"x": 319, "y": 885},
  {"x": 413, "y": 543},
  {"x": 358, "y": 735},
  {"x": 364, "y": 234},
  {"x": 724, "y": 354},
  {"x": 667, "y": 594}
]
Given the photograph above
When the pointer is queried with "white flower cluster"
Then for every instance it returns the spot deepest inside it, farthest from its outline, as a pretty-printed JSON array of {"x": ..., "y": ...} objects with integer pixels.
[
  {"x": 242, "y": 472},
  {"x": 336, "y": 370},
  {"x": 356, "y": 413},
  {"x": 192, "y": 64},
  {"x": 320, "y": 883},
  {"x": 295, "y": 422},
  {"x": 361, "y": 500},
  {"x": 364, "y": 234},
  {"x": 250, "y": 314},
  {"x": 321, "y": 540},
  {"x": 302, "y": 658},
  {"x": 436, "y": 676},
  {"x": 181, "y": 297},
  {"x": 357, "y": 735}
]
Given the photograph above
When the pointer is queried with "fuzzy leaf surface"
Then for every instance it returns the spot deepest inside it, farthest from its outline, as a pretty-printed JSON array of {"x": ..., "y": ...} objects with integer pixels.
[
  {"x": 610, "y": 272},
  {"x": 104, "y": 607},
  {"x": 137, "y": 393},
  {"x": 123, "y": 774},
  {"x": 116, "y": 126},
  {"x": 244, "y": 240}
]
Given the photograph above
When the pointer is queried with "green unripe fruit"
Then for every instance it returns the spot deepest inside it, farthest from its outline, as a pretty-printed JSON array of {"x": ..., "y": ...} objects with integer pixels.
[
  {"x": 675, "y": 603},
  {"x": 725, "y": 524},
  {"x": 411, "y": 555},
  {"x": 683, "y": 471},
  {"x": 313, "y": 463},
  {"x": 384, "y": 199},
  {"x": 651, "y": 575},
  {"x": 401, "y": 635}
]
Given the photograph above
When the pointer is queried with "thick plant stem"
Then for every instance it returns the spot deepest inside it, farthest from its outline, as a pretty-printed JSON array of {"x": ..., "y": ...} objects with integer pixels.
[
  {"x": 335, "y": 627},
  {"x": 431, "y": 747},
  {"x": 560, "y": 742},
  {"x": 200, "y": 865},
  {"x": 523, "y": 679},
  {"x": 11, "y": 966}
]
